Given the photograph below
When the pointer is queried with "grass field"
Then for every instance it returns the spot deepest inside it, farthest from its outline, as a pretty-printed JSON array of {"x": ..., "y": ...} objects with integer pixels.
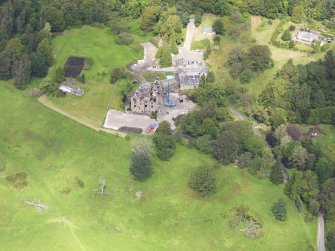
[
  {"x": 55, "y": 152},
  {"x": 97, "y": 44}
]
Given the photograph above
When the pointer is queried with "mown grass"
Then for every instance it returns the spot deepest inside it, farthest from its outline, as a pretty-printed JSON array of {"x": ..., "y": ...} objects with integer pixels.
[
  {"x": 98, "y": 45},
  {"x": 54, "y": 152}
]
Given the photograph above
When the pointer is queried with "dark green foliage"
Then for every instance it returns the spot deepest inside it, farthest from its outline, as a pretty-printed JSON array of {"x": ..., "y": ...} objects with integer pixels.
[
  {"x": 116, "y": 75},
  {"x": 305, "y": 184},
  {"x": 245, "y": 65},
  {"x": 119, "y": 27},
  {"x": 164, "y": 56},
  {"x": 140, "y": 166},
  {"x": 244, "y": 160},
  {"x": 124, "y": 38},
  {"x": 204, "y": 144},
  {"x": 225, "y": 147},
  {"x": 58, "y": 76},
  {"x": 314, "y": 207},
  {"x": 298, "y": 203},
  {"x": 255, "y": 145},
  {"x": 286, "y": 36},
  {"x": 203, "y": 181},
  {"x": 260, "y": 57},
  {"x": 149, "y": 18},
  {"x": 217, "y": 39},
  {"x": 276, "y": 174},
  {"x": 327, "y": 196},
  {"x": 306, "y": 92},
  {"x": 278, "y": 210},
  {"x": 166, "y": 145},
  {"x": 164, "y": 127},
  {"x": 218, "y": 27},
  {"x": 207, "y": 52}
]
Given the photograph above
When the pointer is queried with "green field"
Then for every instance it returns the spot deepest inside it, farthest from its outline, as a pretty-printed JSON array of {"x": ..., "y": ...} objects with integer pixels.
[
  {"x": 54, "y": 151},
  {"x": 97, "y": 44}
]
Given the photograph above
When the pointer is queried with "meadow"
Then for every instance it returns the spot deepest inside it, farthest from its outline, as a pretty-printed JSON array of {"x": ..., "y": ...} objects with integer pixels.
[
  {"x": 97, "y": 44},
  {"x": 63, "y": 162}
]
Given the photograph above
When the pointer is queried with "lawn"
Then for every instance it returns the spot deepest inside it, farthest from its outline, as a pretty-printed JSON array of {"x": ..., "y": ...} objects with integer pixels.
[
  {"x": 97, "y": 44},
  {"x": 55, "y": 152}
]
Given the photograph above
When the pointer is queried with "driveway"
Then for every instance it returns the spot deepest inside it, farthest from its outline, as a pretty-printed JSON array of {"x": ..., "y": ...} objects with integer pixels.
[{"x": 189, "y": 35}]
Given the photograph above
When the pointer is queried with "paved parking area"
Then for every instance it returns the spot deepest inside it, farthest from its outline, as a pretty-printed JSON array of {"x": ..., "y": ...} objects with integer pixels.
[{"x": 116, "y": 119}]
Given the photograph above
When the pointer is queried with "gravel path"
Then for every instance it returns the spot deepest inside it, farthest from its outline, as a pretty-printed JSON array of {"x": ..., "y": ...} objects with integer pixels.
[{"x": 321, "y": 233}]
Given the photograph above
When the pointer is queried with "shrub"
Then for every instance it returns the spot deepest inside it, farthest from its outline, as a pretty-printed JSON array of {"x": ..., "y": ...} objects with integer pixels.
[
  {"x": 218, "y": 27},
  {"x": 286, "y": 36},
  {"x": 166, "y": 145},
  {"x": 278, "y": 210},
  {"x": 276, "y": 174},
  {"x": 203, "y": 181},
  {"x": 204, "y": 144},
  {"x": 119, "y": 27},
  {"x": 291, "y": 28},
  {"x": 244, "y": 160},
  {"x": 124, "y": 38},
  {"x": 270, "y": 22},
  {"x": 140, "y": 166},
  {"x": 298, "y": 203},
  {"x": 246, "y": 76}
]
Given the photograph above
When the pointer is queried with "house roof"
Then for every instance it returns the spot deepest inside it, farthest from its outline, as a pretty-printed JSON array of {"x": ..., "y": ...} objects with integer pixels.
[{"x": 309, "y": 36}]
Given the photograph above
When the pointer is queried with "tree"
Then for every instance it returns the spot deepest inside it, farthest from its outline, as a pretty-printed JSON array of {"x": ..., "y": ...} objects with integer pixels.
[
  {"x": 255, "y": 145},
  {"x": 55, "y": 17},
  {"x": 149, "y": 18},
  {"x": 264, "y": 164},
  {"x": 299, "y": 158},
  {"x": 286, "y": 36},
  {"x": 204, "y": 144},
  {"x": 305, "y": 184},
  {"x": 278, "y": 117},
  {"x": 217, "y": 40},
  {"x": 203, "y": 181},
  {"x": 298, "y": 203},
  {"x": 225, "y": 147},
  {"x": 260, "y": 57},
  {"x": 44, "y": 48},
  {"x": 327, "y": 196},
  {"x": 58, "y": 76},
  {"x": 279, "y": 210},
  {"x": 276, "y": 174},
  {"x": 164, "y": 127},
  {"x": 140, "y": 166},
  {"x": 298, "y": 14},
  {"x": 39, "y": 64},
  {"x": 164, "y": 56},
  {"x": 166, "y": 145},
  {"x": 116, "y": 75},
  {"x": 244, "y": 160},
  {"x": 22, "y": 72},
  {"x": 124, "y": 38},
  {"x": 218, "y": 27}
]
